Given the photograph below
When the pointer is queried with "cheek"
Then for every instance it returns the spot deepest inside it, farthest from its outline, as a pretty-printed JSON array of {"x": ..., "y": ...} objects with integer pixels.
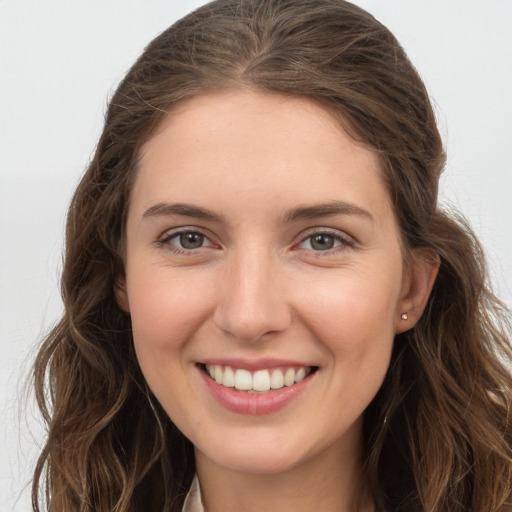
[
  {"x": 353, "y": 317},
  {"x": 357, "y": 306},
  {"x": 164, "y": 309},
  {"x": 166, "y": 312}
]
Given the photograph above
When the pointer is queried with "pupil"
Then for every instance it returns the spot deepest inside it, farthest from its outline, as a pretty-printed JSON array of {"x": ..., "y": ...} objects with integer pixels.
[
  {"x": 322, "y": 242},
  {"x": 191, "y": 240}
]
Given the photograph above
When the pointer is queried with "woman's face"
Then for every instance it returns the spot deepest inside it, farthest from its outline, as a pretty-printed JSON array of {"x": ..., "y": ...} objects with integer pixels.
[{"x": 262, "y": 249}]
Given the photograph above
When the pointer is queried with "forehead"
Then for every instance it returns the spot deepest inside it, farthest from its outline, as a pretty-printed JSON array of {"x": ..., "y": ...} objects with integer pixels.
[
  {"x": 240, "y": 112},
  {"x": 254, "y": 144}
]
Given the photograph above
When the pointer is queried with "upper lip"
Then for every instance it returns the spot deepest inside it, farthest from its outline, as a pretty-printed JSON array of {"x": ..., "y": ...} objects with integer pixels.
[{"x": 254, "y": 364}]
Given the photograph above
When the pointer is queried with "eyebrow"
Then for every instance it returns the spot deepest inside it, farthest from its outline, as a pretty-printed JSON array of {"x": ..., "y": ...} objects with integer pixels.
[
  {"x": 295, "y": 214},
  {"x": 324, "y": 210},
  {"x": 184, "y": 209}
]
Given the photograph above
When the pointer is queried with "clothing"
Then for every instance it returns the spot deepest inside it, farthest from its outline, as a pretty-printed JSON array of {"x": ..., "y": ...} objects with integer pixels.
[{"x": 193, "y": 501}]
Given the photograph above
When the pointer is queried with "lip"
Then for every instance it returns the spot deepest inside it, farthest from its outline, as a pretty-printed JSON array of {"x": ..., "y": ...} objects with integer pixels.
[
  {"x": 255, "y": 365},
  {"x": 258, "y": 403}
]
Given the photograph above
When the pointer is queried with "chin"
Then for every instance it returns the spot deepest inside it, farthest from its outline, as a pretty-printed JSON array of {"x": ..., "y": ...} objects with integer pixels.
[
  {"x": 259, "y": 456},
  {"x": 256, "y": 464}
]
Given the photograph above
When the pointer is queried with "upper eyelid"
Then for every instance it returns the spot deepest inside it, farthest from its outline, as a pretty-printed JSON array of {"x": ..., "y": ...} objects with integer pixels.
[
  {"x": 301, "y": 237},
  {"x": 337, "y": 233},
  {"x": 172, "y": 232},
  {"x": 166, "y": 241}
]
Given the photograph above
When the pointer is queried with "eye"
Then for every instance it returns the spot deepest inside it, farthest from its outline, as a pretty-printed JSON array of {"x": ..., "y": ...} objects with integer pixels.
[
  {"x": 321, "y": 242},
  {"x": 186, "y": 240},
  {"x": 324, "y": 241}
]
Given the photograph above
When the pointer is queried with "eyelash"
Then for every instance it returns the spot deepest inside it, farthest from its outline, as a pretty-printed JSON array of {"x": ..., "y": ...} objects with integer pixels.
[
  {"x": 343, "y": 242},
  {"x": 166, "y": 240}
]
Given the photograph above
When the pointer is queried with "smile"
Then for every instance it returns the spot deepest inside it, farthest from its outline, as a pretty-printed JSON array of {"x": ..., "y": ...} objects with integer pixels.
[
  {"x": 260, "y": 381},
  {"x": 258, "y": 391}
]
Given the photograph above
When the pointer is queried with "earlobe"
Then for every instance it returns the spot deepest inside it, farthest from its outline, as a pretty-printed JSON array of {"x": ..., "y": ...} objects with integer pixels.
[
  {"x": 422, "y": 273},
  {"x": 121, "y": 295}
]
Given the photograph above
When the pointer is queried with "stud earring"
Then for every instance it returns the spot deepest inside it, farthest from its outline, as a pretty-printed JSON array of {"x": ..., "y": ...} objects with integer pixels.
[{"x": 404, "y": 316}]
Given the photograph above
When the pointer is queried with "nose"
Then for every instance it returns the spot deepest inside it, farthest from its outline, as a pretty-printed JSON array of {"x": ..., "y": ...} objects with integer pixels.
[{"x": 251, "y": 302}]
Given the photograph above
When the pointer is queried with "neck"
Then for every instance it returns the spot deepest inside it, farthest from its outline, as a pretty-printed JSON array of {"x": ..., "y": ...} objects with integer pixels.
[{"x": 321, "y": 483}]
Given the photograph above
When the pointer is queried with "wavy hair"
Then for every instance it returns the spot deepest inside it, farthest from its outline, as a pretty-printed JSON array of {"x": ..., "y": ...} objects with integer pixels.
[{"x": 438, "y": 435}]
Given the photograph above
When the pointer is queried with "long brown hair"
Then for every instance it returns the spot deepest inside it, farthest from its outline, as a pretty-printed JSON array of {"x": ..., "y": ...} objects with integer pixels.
[{"x": 438, "y": 435}]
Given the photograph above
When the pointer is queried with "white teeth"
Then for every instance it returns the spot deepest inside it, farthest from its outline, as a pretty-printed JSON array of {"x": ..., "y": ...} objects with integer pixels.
[
  {"x": 228, "y": 379},
  {"x": 218, "y": 375},
  {"x": 277, "y": 379},
  {"x": 300, "y": 374},
  {"x": 243, "y": 380},
  {"x": 259, "y": 381},
  {"x": 289, "y": 377}
]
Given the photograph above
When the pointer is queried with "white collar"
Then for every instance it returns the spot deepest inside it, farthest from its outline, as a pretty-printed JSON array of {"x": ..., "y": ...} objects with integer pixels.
[{"x": 193, "y": 501}]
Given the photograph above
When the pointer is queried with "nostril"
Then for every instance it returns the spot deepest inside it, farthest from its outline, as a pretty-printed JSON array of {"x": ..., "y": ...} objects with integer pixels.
[{"x": 250, "y": 322}]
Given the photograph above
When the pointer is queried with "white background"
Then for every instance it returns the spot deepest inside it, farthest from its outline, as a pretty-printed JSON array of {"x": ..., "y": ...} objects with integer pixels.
[{"x": 59, "y": 62}]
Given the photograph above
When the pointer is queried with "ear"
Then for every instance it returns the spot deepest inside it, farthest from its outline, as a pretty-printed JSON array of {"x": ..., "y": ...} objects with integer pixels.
[
  {"x": 420, "y": 275},
  {"x": 121, "y": 295}
]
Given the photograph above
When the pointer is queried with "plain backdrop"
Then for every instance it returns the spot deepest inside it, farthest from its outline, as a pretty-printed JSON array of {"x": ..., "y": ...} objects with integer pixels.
[{"x": 59, "y": 62}]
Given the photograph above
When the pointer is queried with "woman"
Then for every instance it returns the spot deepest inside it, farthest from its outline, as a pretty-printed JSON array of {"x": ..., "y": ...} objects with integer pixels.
[{"x": 261, "y": 291}]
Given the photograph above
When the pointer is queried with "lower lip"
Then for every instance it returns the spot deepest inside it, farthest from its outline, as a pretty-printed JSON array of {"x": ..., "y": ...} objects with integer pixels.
[{"x": 257, "y": 403}]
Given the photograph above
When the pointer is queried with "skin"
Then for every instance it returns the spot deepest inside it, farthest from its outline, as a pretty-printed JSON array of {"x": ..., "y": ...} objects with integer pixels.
[{"x": 258, "y": 287}]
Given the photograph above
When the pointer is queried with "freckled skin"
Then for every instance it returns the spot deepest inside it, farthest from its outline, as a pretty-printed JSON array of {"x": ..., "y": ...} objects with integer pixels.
[{"x": 256, "y": 287}]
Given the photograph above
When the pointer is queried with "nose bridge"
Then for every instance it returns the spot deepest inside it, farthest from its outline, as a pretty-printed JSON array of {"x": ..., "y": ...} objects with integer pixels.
[{"x": 251, "y": 300}]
